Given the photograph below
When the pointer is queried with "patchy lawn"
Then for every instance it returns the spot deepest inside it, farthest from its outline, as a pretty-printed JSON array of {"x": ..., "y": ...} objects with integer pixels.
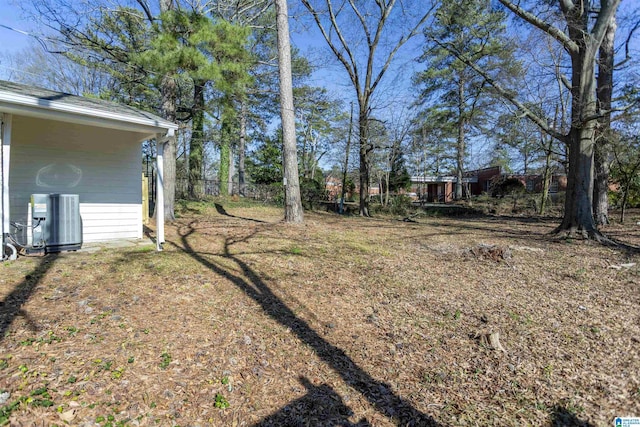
[{"x": 245, "y": 321}]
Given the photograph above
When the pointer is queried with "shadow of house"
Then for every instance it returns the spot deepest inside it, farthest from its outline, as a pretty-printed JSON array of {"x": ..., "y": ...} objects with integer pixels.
[
  {"x": 321, "y": 406},
  {"x": 379, "y": 394},
  {"x": 11, "y": 306}
]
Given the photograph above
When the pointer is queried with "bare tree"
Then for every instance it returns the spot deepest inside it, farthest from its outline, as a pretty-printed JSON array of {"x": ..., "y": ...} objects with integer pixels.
[
  {"x": 602, "y": 152},
  {"x": 293, "y": 204},
  {"x": 372, "y": 20},
  {"x": 582, "y": 41},
  {"x": 586, "y": 26},
  {"x": 36, "y": 66},
  {"x": 626, "y": 167}
]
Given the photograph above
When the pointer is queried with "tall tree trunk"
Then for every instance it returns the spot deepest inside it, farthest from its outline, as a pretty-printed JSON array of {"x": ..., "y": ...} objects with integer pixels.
[
  {"x": 305, "y": 156},
  {"x": 603, "y": 134},
  {"x": 242, "y": 148},
  {"x": 460, "y": 145},
  {"x": 546, "y": 175},
  {"x": 293, "y": 204},
  {"x": 623, "y": 207},
  {"x": 197, "y": 142},
  {"x": 386, "y": 195},
  {"x": 363, "y": 129},
  {"x": 578, "y": 208},
  {"x": 231, "y": 171},
  {"x": 225, "y": 151},
  {"x": 314, "y": 166},
  {"x": 346, "y": 161},
  {"x": 169, "y": 96},
  {"x": 168, "y": 90}
]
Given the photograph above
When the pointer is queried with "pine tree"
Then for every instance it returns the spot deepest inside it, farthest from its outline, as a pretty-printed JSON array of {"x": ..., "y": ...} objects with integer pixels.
[
  {"x": 207, "y": 53},
  {"x": 472, "y": 27},
  {"x": 399, "y": 178}
]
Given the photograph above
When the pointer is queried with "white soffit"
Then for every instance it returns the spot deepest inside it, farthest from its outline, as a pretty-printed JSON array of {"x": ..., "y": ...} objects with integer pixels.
[{"x": 75, "y": 109}]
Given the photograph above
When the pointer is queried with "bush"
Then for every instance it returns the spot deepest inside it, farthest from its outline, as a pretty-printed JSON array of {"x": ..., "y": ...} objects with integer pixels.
[
  {"x": 275, "y": 193},
  {"x": 400, "y": 204},
  {"x": 633, "y": 200},
  {"x": 311, "y": 192},
  {"x": 527, "y": 204},
  {"x": 507, "y": 187}
]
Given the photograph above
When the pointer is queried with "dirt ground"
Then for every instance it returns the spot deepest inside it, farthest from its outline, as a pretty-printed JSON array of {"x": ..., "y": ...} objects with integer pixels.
[{"x": 245, "y": 321}]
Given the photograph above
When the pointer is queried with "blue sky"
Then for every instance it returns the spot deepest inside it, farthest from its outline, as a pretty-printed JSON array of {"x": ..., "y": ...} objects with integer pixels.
[
  {"x": 393, "y": 94},
  {"x": 334, "y": 78},
  {"x": 11, "y": 40},
  {"x": 395, "y": 90}
]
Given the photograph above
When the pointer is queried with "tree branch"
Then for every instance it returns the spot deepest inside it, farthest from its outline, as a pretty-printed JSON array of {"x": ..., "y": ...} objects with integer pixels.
[
  {"x": 401, "y": 42},
  {"x": 385, "y": 10},
  {"x": 350, "y": 67},
  {"x": 363, "y": 21},
  {"x": 553, "y": 31},
  {"x": 607, "y": 11},
  {"x": 509, "y": 96},
  {"x": 145, "y": 8}
]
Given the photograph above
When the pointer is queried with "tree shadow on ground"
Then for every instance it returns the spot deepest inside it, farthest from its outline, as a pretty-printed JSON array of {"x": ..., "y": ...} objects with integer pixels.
[
  {"x": 496, "y": 225},
  {"x": 222, "y": 211},
  {"x": 378, "y": 393},
  {"x": 499, "y": 227},
  {"x": 11, "y": 306},
  {"x": 562, "y": 417},
  {"x": 320, "y": 406}
]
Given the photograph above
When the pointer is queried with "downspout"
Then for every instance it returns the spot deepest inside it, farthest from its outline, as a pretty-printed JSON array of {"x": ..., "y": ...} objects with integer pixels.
[{"x": 5, "y": 145}]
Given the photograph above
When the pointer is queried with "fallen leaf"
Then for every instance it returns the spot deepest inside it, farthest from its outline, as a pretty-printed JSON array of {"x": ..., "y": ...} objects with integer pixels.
[{"x": 68, "y": 415}]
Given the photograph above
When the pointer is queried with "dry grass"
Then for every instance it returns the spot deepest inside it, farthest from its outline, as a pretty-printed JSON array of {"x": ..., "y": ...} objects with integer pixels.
[{"x": 246, "y": 321}]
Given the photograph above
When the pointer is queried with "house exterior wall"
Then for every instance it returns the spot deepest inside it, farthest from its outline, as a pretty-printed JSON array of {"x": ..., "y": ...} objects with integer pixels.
[
  {"x": 534, "y": 184},
  {"x": 101, "y": 165},
  {"x": 433, "y": 189},
  {"x": 484, "y": 179}
]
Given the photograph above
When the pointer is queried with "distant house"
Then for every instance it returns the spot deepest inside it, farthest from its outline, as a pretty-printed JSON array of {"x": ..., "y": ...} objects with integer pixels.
[
  {"x": 534, "y": 184},
  {"x": 441, "y": 189},
  {"x": 483, "y": 179},
  {"x": 438, "y": 189},
  {"x": 333, "y": 187},
  {"x": 59, "y": 143}
]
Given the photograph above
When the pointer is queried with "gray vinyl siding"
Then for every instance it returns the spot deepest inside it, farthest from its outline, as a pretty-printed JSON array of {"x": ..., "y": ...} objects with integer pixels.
[{"x": 101, "y": 165}]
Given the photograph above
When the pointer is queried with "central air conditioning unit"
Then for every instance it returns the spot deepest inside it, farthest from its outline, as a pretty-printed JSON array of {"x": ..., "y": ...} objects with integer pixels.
[{"x": 56, "y": 225}]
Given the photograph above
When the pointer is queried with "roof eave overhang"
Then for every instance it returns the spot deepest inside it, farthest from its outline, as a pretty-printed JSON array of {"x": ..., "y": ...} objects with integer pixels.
[{"x": 51, "y": 110}]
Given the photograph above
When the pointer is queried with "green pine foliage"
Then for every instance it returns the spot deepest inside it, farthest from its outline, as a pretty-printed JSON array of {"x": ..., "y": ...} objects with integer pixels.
[
  {"x": 399, "y": 178},
  {"x": 451, "y": 91},
  {"x": 265, "y": 164},
  {"x": 193, "y": 44},
  {"x": 213, "y": 55}
]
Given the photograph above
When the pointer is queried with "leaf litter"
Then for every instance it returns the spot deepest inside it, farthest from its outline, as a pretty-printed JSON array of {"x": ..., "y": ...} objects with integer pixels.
[{"x": 244, "y": 320}]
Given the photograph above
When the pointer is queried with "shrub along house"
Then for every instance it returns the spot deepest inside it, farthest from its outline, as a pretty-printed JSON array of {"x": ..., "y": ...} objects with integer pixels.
[{"x": 56, "y": 143}]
